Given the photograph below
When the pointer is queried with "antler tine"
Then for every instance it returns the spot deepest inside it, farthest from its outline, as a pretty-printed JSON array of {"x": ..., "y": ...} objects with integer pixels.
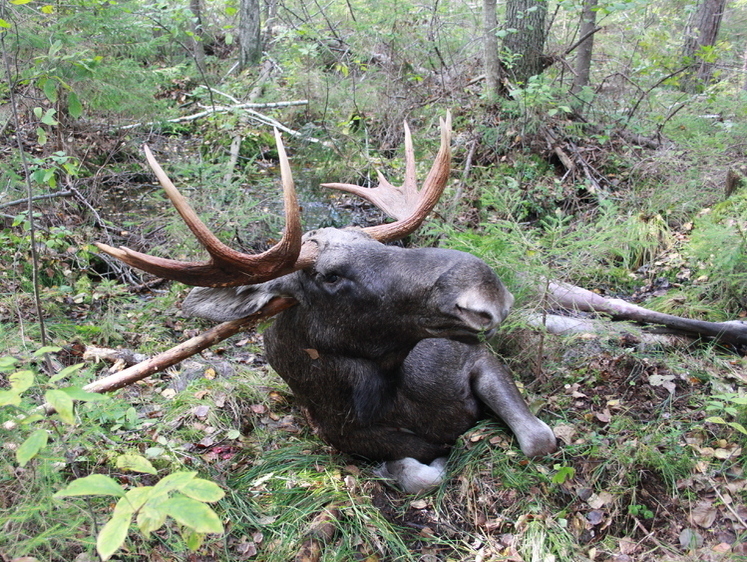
[
  {"x": 406, "y": 204},
  {"x": 227, "y": 267}
]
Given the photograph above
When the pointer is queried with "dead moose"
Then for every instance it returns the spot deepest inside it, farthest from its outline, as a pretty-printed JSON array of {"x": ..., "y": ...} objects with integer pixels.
[{"x": 383, "y": 344}]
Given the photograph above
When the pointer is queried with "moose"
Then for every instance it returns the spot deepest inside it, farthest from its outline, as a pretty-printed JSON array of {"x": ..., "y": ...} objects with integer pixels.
[{"x": 383, "y": 346}]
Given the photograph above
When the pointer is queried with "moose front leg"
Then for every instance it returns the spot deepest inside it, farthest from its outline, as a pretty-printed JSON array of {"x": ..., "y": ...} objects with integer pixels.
[{"x": 494, "y": 386}]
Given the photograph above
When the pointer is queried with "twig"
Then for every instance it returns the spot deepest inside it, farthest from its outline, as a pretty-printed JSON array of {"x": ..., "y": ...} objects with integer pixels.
[
  {"x": 188, "y": 348},
  {"x": 65, "y": 193}
]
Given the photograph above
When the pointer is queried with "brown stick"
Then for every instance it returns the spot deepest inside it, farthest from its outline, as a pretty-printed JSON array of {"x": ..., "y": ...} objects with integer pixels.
[{"x": 187, "y": 348}]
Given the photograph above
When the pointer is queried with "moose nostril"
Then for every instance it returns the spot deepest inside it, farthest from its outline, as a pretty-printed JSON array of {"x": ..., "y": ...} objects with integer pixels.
[{"x": 480, "y": 319}]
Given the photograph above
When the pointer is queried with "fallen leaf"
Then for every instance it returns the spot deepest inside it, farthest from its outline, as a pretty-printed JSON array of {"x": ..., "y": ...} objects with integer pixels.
[
  {"x": 605, "y": 416},
  {"x": 703, "y": 514},
  {"x": 664, "y": 381},
  {"x": 201, "y": 411},
  {"x": 597, "y": 501},
  {"x": 565, "y": 433},
  {"x": 595, "y": 516},
  {"x": 313, "y": 353},
  {"x": 419, "y": 504},
  {"x": 690, "y": 539},
  {"x": 210, "y": 373}
]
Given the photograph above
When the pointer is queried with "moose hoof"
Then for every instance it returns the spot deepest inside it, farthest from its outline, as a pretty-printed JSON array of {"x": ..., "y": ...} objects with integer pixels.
[
  {"x": 412, "y": 476},
  {"x": 538, "y": 442}
]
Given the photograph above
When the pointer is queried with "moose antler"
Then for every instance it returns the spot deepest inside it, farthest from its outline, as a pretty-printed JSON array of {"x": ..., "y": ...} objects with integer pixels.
[
  {"x": 229, "y": 268},
  {"x": 406, "y": 204}
]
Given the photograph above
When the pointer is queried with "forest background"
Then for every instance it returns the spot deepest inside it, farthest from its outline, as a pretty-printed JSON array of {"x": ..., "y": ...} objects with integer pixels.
[{"x": 599, "y": 143}]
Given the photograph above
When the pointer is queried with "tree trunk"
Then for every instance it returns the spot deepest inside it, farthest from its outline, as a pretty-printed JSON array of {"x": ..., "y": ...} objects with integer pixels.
[
  {"x": 493, "y": 71},
  {"x": 585, "y": 48},
  {"x": 198, "y": 35},
  {"x": 701, "y": 32},
  {"x": 525, "y": 38},
  {"x": 250, "y": 39}
]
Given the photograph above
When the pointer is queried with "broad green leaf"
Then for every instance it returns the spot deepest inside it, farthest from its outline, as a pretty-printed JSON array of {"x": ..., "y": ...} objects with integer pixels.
[
  {"x": 202, "y": 490},
  {"x": 33, "y": 418},
  {"x": 74, "y": 107},
  {"x": 50, "y": 90},
  {"x": 135, "y": 463},
  {"x": 9, "y": 398},
  {"x": 19, "y": 2},
  {"x": 7, "y": 363},
  {"x": 150, "y": 519},
  {"x": 62, "y": 403},
  {"x": 192, "y": 539},
  {"x": 48, "y": 348},
  {"x": 172, "y": 482},
  {"x": 113, "y": 535},
  {"x": 193, "y": 514},
  {"x": 77, "y": 393},
  {"x": 4, "y": 24},
  {"x": 21, "y": 381},
  {"x": 93, "y": 485},
  {"x": 47, "y": 9},
  {"x": 33, "y": 444},
  {"x": 67, "y": 371},
  {"x": 48, "y": 118},
  {"x": 136, "y": 498}
]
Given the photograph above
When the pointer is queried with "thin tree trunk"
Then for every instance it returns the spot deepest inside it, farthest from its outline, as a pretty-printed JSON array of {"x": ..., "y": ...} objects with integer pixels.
[
  {"x": 198, "y": 34},
  {"x": 493, "y": 71},
  {"x": 585, "y": 48},
  {"x": 527, "y": 42},
  {"x": 702, "y": 32},
  {"x": 250, "y": 37}
]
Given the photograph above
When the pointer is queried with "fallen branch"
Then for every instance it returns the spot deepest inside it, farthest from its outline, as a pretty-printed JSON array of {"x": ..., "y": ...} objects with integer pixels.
[
  {"x": 63, "y": 193},
  {"x": 187, "y": 349},
  {"x": 570, "y": 297}
]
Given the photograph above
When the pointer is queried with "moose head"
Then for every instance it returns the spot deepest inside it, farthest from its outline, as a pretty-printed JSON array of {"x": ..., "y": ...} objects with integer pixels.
[{"x": 383, "y": 344}]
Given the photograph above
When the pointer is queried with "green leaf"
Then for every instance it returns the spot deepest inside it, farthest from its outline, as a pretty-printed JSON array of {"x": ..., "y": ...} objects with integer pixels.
[
  {"x": 193, "y": 514},
  {"x": 7, "y": 363},
  {"x": 67, "y": 371},
  {"x": 47, "y": 9},
  {"x": 77, "y": 393},
  {"x": 173, "y": 482},
  {"x": 62, "y": 403},
  {"x": 47, "y": 348},
  {"x": 202, "y": 490},
  {"x": 33, "y": 444},
  {"x": 74, "y": 107},
  {"x": 48, "y": 118},
  {"x": 150, "y": 519},
  {"x": 9, "y": 398},
  {"x": 19, "y": 2},
  {"x": 192, "y": 539},
  {"x": 4, "y": 24},
  {"x": 135, "y": 498},
  {"x": 50, "y": 90},
  {"x": 93, "y": 485},
  {"x": 135, "y": 463},
  {"x": 21, "y": 381},
  {"x": 113, "y": 535},
  {"x": 41, "y": 137}
]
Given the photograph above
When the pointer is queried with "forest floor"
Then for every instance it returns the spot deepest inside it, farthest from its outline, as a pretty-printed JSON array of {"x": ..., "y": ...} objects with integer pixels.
[{"x": 643, "y": 473}]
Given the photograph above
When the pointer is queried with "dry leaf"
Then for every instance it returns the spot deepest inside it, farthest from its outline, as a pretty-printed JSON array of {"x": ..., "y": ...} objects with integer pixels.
[
  {"x": 663, "y": 381},
  {"x": 605, "y": 416},
  {"x": 419, "y": 504},
  {"x": 313, "y": 353},
  {"x": 597, "y": 501},
  {"x": 565, "y": 433},
  {"x": 703, "y": 514},
  {"x": 210, "y": 373}
]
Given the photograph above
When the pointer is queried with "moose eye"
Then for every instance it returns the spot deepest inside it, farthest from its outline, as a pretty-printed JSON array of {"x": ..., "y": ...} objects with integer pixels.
[{"x": 331, "y": 278}]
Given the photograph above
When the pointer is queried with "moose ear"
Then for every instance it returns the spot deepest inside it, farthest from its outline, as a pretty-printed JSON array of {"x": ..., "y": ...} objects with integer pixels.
[{"x": 226, "y": 303}]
